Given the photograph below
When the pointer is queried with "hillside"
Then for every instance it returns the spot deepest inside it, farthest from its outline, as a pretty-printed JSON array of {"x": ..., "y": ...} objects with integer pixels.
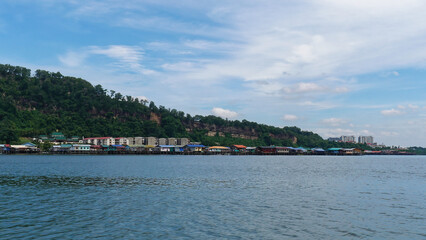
[{"x": 39, "y": 103}]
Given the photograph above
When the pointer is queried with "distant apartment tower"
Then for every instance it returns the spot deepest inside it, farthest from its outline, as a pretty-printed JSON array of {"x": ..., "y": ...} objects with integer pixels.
[
  {"x": 122, "y": 141},
  {"x": 162, "y": 141},
  {"x": 365, "y": 140},
  {"x": 153, "y": 141},
  {"x": 347, "y": 139},
  {"x": 171, "y": 141},
  {"x": 136, "y": 141},
  {"x": 182, "y": 141}
]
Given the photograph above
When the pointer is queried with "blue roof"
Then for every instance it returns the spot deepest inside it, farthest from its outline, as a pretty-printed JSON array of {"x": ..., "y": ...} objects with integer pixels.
[
  {"x": 318, "y": 150},
  {"x": 195, "y": 146},
  {"x": 30, "y": 144},
  {"x": 167, "y": 146}
]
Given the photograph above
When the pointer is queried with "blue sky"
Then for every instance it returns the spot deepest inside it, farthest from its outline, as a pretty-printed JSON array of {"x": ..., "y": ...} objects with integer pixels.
[{"x": 333, "y": 67}]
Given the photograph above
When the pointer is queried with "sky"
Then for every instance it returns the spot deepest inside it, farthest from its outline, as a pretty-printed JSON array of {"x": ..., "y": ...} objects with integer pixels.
[{"x": 333, "y": 67}]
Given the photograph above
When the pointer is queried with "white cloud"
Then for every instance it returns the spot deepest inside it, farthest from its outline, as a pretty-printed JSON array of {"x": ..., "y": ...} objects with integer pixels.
[
  {"x": 180, "y": 66},
  {"x": 73, "y": 59},
  {"x": 224, "y": 113},
  {"x": 334, "y": 121},
  {"x": 365, "y": 132},
  {"x": 290, "y": 117},
  {"x": 129, "y": 55},
  {"x": 304, "y": 87},
  {"x": 413, "y": 107},
  {"x": 126, "y": 57},
  {"x": 391, "y": 112}
]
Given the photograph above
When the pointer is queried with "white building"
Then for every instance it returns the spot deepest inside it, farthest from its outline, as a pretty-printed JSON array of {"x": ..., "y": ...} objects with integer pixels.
[
  {"x": 182, "y": 141},
  {"x": 153, "y": 141},
  {"x": 365, "y": 140},
  {"x": 136, "y": 141},
  {"x": 100, "y": 141},
  {"x": 347, "y": 139},
  {"x": 122, "y": 141}
]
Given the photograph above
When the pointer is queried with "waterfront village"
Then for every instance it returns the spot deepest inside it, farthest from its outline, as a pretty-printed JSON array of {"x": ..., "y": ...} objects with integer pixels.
[{"x": 59, "y": 144}]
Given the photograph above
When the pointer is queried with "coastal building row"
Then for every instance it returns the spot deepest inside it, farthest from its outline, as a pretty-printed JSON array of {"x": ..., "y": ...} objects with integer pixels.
[
  {"x": 201, "y": 149},
  {"x": 59, "y": 138},
  {"x": 190, "y": 149},
  {"x": 24, "y": 148}
]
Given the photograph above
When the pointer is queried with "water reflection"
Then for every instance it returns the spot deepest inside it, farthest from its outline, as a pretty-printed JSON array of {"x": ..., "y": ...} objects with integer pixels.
[{"x": 81, "y": 181}]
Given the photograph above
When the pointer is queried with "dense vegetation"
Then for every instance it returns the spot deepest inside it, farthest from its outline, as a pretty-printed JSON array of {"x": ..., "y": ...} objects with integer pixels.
[{"x": 31, "y": 105}]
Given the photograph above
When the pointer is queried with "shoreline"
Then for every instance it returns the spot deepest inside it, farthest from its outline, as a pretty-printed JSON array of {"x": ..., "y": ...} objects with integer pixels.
[{"x": 194, "y": 154}]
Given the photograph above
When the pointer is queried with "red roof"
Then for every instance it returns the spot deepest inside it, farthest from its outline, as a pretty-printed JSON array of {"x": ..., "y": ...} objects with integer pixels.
[{"x": 239, "y": 146}]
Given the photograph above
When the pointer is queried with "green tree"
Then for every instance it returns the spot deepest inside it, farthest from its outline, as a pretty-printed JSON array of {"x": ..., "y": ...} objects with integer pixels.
[{"x": 8, "y": 131}]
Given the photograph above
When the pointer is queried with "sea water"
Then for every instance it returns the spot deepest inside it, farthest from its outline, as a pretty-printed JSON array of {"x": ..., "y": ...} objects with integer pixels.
[{"x": 212, "y": 197}]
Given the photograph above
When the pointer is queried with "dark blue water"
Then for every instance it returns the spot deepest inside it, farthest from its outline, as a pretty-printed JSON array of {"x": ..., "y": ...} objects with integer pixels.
[{"x": 212, "y": 197}]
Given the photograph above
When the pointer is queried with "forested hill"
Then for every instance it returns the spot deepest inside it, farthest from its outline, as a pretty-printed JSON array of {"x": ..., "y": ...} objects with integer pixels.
[{"x": 43, "y": 102}]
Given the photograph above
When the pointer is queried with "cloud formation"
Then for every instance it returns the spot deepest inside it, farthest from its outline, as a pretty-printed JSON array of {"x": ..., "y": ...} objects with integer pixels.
[
  {"x": 224, "y": 113},
  {"x": 334, "y": 121},
  {"x": 290, "y": 117},
  {"x": 125, "y": 57}
]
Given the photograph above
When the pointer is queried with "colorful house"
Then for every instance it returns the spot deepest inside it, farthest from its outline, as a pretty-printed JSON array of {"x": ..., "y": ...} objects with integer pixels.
[
  {"x": 194, "y": 148},
  {"x": 80, "y": 147},
  {"x": 165, "y": 148},
  {"x": 334, "y": 151},
  {"x": 96, "y": 148},
  {"x": 266, "y": 150},
  {"x": 61, "y": 148},
  {"x": 239, "y": 148},
  {"x": 219, "y": 149},
  {"x": 318, "y": 151},
  {"x": 251, "y": 149}
]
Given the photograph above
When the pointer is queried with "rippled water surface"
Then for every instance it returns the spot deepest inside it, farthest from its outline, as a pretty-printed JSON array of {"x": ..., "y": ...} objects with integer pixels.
[{"x": 212, "y": 197}]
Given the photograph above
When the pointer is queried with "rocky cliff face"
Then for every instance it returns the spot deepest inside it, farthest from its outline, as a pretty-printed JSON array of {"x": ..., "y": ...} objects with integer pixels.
[
  {"x": 155, "y": 118},
  {"x": 244, "y": 133}
]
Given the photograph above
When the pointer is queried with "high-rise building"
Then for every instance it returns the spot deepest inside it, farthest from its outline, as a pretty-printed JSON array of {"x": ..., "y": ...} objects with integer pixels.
[
  {"x": 182, "y": 141},
  {"x": 153, "y": 141},
  {"x": 365, "y": 139},
  {"x": 347, "y": 139},
  {"x": 162, "y": 141}
]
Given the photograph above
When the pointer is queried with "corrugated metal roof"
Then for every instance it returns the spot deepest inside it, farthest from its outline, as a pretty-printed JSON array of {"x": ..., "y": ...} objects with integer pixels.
[
  {"x": 239, "y": 146},
  {"x": 195, "y": 146},
  {"x": 219, "y": 147}
]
